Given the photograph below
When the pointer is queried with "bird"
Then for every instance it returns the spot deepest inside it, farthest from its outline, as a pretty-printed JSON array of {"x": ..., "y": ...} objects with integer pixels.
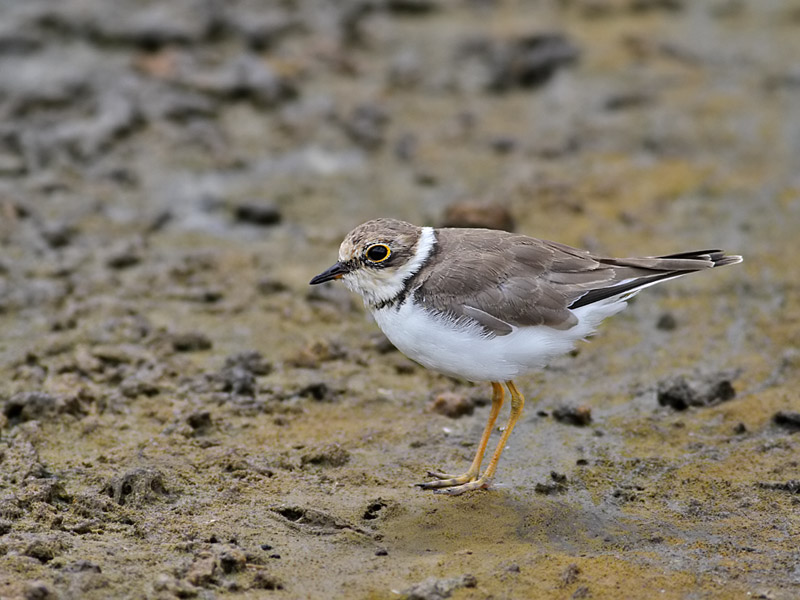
[{"x": 489, "y": 306}]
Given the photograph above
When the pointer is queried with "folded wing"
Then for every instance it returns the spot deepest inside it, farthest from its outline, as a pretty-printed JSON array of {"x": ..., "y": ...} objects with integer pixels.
[{"x": 502, "y": 280}]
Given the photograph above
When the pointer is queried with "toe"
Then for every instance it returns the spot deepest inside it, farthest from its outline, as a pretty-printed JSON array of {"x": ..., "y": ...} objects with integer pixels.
[
  {"x": 441, "y": 483},
  {"x": 478, "y": 484},
  {"x": 440, "y": 475}
]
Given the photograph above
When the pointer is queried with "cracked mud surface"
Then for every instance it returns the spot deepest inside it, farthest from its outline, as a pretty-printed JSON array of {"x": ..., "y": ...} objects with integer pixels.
[{"x": 182, "y": 416}]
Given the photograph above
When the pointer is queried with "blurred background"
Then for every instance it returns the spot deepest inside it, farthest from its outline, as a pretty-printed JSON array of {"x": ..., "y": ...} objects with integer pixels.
[{"x": 183, "y": 417}]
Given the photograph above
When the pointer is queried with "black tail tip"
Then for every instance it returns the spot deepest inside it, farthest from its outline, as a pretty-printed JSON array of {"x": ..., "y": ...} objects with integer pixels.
[{"x": 723, "y": 260}]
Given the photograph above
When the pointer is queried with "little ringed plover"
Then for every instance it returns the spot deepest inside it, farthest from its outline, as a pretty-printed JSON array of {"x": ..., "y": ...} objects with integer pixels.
[{"x": 487, "y": 305}]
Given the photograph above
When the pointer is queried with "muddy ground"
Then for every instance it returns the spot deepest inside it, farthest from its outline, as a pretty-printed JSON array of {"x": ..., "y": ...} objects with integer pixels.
[{"x": 182, "y": 416}]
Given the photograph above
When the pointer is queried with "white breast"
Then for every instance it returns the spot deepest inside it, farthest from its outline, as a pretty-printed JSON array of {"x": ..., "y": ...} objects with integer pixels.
[{"x": 461, "y": 349}]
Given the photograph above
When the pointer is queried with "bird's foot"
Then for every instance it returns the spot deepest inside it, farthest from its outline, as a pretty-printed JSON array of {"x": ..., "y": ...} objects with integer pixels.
[
  {"x": 481, "y": 483},
  {"x": 453, "y": 484}
]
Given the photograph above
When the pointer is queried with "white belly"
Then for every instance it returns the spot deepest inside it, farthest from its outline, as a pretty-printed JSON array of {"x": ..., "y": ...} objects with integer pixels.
[{"x": 463, "y": 350}]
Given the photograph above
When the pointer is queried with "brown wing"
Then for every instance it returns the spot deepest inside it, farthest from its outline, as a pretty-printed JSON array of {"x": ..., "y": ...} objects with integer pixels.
[{"x": 502, "y": 280}]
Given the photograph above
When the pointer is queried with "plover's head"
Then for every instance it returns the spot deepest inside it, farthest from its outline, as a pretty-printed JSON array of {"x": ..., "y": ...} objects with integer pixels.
[{"x": 377, "y": 257}]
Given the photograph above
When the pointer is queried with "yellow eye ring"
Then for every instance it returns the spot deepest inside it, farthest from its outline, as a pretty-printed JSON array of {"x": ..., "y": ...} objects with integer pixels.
[{"x": 377, "y": 253}]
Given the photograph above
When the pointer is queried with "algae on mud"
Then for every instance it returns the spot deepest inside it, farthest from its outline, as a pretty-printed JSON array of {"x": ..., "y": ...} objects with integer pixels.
[{"x": 143, "y": 455}]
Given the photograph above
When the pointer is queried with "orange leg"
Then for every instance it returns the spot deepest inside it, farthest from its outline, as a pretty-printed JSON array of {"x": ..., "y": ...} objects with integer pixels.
[
  {"x": 445, "y": 480},
  {"x": 517, "y": 403}
]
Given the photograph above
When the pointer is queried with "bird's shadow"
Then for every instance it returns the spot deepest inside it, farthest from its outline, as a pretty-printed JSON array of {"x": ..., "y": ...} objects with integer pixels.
[{"x": 483, "y": 520}]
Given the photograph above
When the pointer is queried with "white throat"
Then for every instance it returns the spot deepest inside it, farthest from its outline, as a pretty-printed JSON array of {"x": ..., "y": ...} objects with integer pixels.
[{"x": 377, "y": 286}]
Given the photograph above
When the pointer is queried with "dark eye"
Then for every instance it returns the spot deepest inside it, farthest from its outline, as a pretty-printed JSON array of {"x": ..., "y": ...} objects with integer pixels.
[{"x": 378, "y": 253}]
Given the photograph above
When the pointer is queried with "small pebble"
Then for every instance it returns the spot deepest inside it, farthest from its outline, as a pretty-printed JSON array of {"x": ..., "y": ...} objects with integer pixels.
[
  {"x": 789, "y": 421},
  {"x": 580, "y": 416},
  {"x": 190, "y": 342},
  {"x": 256, "y": 213},
  {"x": 556, "y": 485},
  {"x": 680, "y": 392},
  {"x": 478, "y": 214},
  {"x": 452, "y": 404},
  {"x": 666, "y": 322}
]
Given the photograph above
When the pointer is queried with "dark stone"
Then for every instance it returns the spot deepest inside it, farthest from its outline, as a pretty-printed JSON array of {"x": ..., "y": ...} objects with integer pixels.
[
  {"x": 28, "y": 406},
  {"x": 654, "y": 5},
  {"x": 124, "y": 258},
  {"x": 666, "y": 322},
  {"x": 580, "y": 416},
  {"x": 556, "y": 485},
  {"x": 199, "y": 420},
  {"x": 318, "y": 391},
  {"x": 413, "y": 7},
  {"x": 528, "y": 61},
  {"x": 503, "y": 144},
  {"x": 58, "y": 235},
  {"x": 792, "y": 486},
  {"x": 627, "y": 101},
  {"x": 191, "y": 342},
  {"x": 789, "y": 421},
  {"x": 680, "y": 392},
  {"x": 256, "y": 213}
]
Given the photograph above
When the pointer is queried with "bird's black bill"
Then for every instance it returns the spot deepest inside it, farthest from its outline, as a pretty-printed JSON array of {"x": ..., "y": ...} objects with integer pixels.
[{"x": 335, "y": 272}]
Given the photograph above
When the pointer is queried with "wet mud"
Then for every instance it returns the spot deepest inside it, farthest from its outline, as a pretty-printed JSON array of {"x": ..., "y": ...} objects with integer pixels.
[{"x": 181, "y": 416}]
